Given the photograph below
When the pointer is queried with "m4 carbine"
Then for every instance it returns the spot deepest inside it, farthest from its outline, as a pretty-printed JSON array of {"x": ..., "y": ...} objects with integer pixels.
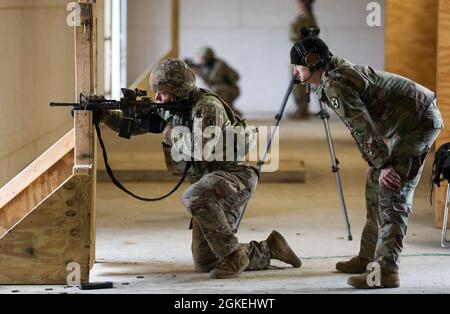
[{"x": 134, "y": 105}]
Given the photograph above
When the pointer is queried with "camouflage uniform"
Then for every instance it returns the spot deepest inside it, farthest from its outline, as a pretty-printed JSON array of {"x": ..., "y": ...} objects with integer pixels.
[
  {"x": 301, "y": 95},
  {"x": 222, "y": 80},
  {"x": 394, "y": 121},
  {"x": 220, "y": 188}
]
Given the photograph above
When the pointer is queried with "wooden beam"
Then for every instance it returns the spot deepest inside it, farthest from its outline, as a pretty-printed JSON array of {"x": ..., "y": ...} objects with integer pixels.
[
  {"x": 175, "y": 30},
  {"x": 443, "y": 92},
  {"x": 85, "y": 68},
  {"x": 84, "y": 146},
  {"x": 36, "y": 169},
  {"x": 86, "y": 84},
  {"x": 35, "y": 193}
]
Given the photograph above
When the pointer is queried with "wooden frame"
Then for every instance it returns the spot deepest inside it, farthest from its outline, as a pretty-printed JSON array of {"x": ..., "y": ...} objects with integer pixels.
[{"x": 47, "y": 212}]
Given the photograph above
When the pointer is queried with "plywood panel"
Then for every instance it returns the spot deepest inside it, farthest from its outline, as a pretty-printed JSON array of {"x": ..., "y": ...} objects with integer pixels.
[
  {"x": 443, "y": 90},
  {"x": 55, "y": 233},
  {"x": 411, "y": 36},
  {"x": 35, "y": 192}
]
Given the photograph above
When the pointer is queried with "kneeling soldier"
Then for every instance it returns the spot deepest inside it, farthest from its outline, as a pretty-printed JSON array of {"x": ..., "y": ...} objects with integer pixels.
[{"x": 220, "y": 188}]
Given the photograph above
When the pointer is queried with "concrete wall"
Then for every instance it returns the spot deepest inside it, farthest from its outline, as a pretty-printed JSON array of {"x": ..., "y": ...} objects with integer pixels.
[
  {"x": 252, "y": 35},
  {"x": 36, "y": 66}
]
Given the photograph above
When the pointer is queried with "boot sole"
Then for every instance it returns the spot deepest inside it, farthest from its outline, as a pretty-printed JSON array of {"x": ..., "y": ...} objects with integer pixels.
[
  {"x": 290, "y": 251},
  {"x": 351, "y": 272},
  {"x": 366, "y": 287},
  {"x": 212, "y": 275},
  {"x": 374, "y": 288}
]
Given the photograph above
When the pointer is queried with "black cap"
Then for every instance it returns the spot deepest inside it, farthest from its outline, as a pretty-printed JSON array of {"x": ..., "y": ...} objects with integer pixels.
[{"x": 307, "y": 45}]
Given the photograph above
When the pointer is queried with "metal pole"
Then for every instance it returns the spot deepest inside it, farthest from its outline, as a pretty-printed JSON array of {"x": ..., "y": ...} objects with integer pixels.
[
  {"x": 444, "y": 241},
  {"x": 335, "y": 168}
]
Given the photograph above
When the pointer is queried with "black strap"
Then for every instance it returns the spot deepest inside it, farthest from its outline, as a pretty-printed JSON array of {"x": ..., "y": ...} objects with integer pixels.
[{"x": 124, "y": 189}]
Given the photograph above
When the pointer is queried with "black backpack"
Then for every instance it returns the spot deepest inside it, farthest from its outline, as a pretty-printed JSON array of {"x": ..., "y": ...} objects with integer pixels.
[
  {"x": 441, "y": 165},
  {"x": 441, "y": 168}
]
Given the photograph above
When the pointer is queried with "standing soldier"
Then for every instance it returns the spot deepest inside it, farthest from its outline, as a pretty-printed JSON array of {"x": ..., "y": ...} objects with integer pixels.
[
  {"x": 394, "y": 121},
  {"x": 220, "y": 78},
  {"x": 221, "y": 187},
  {"x": 304, "y": 19}
]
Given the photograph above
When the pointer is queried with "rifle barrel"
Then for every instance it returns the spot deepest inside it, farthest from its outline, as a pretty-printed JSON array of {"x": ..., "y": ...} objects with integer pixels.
[{"x": 63, "y": 104}]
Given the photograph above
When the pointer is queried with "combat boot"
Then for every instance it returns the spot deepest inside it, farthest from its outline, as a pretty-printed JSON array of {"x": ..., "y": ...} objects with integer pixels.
[
  {"x": 231, "y": 265},
  {"x": 357, "y": 265},
  {"x": 388, "y": 280},
  {"x": 280, "y": 250}
]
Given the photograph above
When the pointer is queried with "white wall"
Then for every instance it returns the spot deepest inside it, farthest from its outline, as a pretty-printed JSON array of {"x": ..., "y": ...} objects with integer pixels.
[
  {"x": 148, "y": 34},
  {"x": 252, "y": 35}
]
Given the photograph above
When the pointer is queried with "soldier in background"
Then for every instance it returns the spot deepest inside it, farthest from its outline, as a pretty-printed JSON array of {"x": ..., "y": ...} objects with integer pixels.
[
  {"x": 394, "y": 122},
  {"x": 218, "y": 76},
  {"x": 304, "y": 19},
  {"x": 220, "y": 187}
]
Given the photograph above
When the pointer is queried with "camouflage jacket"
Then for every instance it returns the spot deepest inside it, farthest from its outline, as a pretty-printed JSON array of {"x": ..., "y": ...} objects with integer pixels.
[
  {"x": 220, "y": 74},
  {"x": 306, "y": 19},
  {"x": 209, "y": 113},
  {"x": 379, "y": 108}
]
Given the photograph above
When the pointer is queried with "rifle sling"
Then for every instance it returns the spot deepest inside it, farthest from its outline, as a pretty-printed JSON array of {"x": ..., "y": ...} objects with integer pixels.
[{"x": 124, "y": 189}]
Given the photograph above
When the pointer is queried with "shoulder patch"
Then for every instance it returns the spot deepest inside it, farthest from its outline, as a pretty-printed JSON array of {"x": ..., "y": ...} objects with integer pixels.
[{"x": 335, "y": 102}]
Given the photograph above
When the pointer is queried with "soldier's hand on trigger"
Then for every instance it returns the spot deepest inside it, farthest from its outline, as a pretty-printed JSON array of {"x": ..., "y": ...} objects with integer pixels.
[{"x": 390, "y": 178}]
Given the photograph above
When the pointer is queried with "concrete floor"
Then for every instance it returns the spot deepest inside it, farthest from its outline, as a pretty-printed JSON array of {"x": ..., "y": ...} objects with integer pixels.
[{"x": 145, "y": 248}]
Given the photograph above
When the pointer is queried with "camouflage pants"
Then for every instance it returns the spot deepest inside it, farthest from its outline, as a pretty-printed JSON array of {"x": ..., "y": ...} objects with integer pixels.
[
  {"x": 214, "y": 203},
  {"x": 302, "y": 99},
  {"x": 387, "y": 210}
]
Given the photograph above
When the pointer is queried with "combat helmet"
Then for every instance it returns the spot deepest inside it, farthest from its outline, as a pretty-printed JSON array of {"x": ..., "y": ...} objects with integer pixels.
[{"x": 173, "y": 76}]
